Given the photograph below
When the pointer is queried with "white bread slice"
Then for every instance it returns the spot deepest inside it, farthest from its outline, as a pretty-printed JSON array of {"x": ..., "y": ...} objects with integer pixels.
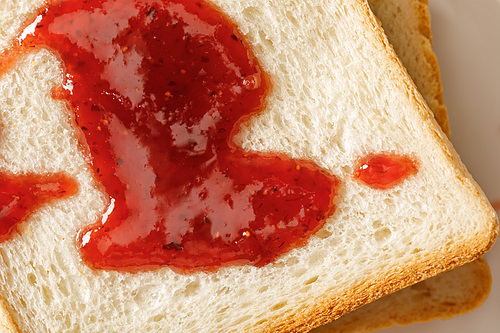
[
  {"x": 343, "y": 96},
  {"x": 407, "y": 26}
]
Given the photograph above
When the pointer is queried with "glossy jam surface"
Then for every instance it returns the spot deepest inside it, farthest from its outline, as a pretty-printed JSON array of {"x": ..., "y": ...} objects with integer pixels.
[
  {"x": 21, "y": 195},
  {"x": 385, "y": 170},
  {"x": 158, "y": 89}
]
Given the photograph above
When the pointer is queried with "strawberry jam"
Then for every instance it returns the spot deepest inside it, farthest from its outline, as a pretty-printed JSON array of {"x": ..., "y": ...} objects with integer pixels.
[
  {"x": 21, "y": 195},
  {"x": 158, "y": 87},
  {"x": 385, "y": 170}
]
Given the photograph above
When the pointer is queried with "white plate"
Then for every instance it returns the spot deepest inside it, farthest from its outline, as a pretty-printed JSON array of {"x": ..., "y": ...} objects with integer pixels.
[{"x": 466, "y": 37}]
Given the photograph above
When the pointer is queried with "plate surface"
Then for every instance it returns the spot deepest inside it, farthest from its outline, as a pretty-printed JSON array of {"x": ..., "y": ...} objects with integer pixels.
[{"x": 466, "y": 36}]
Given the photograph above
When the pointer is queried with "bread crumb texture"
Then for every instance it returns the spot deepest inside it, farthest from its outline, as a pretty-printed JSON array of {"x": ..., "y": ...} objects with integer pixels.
[{"x": 337, "y": 95}]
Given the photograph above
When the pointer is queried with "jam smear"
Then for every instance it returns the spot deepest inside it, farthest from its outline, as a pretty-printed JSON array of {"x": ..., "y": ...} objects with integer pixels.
[
  {"x": 158, "y": 89},
  {"x": 21, "y": 195},
  {"x": 385, "y": 170}
]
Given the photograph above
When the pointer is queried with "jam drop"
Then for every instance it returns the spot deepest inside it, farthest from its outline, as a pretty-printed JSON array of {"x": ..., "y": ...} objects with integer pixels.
[
  {"x": 21, "y": 195},
  {"x": 385, "y": 170},
  {"x": 158, "y": 88}
]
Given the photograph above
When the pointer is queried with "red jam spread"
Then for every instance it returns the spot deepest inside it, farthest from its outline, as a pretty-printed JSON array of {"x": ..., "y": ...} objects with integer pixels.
[
  {"x": 21, "y": 195},
  {"x": 158, "y": 89},
  {"x": 384, "y": 170}
]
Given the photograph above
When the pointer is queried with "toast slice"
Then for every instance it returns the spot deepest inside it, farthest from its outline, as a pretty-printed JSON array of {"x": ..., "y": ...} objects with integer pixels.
[
  {"x": 408, "y": 28},
  {"x": 339, "y": 93}
]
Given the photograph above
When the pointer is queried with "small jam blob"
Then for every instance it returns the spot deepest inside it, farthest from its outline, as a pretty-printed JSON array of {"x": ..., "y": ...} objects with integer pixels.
[
  {"x": 385, "y": 170},
  {"x": 21, "y": 195},
  {"x": 158, "y": 88}
]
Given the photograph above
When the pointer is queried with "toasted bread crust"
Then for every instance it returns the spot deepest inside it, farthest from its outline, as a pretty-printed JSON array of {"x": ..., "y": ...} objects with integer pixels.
[
  {"x": 410, "y": 20},
  {"x": 7, "y": 323},
  {"x": 463, "y": 291}
]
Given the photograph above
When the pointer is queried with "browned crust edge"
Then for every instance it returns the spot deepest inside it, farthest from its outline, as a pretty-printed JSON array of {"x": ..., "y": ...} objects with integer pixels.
[
  {"x": 383, "y": 314},
  {"x": 440, "y": 111},
  {"x": 7, "y": 322},
  {"x": 420, "y": 11}
]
